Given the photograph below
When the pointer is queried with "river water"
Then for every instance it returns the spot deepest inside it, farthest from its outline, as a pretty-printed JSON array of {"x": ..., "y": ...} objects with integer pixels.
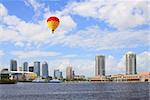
[{"x": 75, "y": 91}]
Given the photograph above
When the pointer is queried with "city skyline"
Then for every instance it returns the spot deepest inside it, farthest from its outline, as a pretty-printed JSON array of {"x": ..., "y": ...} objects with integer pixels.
[
  {"x": 80, "y": 36},
  {"x": 42, "y": 68}
]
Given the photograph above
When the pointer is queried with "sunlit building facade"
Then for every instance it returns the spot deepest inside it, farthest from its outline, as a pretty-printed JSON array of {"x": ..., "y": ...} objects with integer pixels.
[
  {"x": 69, "y": 73},
  {"x": 100, "y": 65},
  {"x": 130, "y": 63}
]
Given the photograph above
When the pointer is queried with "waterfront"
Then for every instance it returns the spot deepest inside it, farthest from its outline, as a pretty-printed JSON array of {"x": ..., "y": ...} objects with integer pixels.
[{"x": 75, "y": 91}]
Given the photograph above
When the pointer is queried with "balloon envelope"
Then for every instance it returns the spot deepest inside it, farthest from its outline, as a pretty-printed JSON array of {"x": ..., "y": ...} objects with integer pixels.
[{"x": 52, "y": 23}]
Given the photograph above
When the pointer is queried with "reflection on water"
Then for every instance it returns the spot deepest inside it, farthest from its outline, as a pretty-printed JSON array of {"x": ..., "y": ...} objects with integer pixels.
[{"x": 78, "y": 91}]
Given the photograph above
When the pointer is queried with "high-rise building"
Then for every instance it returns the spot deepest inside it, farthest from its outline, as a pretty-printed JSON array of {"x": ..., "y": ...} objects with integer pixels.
[
  {"x": 73, "y": 73},
  {"x": 37, "y": 68},
  {"x": 130, "y": 63},
  {"x": 13, "y": 65},
  {"x": 25, "y": 66},
  {"x": 69, "y": 73},
  {"x": 57, "y": 74},
  {"x": 31, "y": 68},
  {"x": 100, "y": 65},
  {"x": 45, "y": 70}
]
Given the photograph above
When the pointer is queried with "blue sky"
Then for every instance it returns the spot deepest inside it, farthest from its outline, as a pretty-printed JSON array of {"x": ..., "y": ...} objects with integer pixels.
[{"x": 87, "y": 28}]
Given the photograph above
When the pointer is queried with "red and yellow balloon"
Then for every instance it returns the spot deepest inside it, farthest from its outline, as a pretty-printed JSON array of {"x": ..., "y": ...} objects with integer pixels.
[{"x": 52, "y": 23}]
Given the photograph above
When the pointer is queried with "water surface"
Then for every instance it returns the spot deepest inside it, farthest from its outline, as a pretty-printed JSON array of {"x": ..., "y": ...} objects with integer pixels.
[{"x": 75, "y": 91}]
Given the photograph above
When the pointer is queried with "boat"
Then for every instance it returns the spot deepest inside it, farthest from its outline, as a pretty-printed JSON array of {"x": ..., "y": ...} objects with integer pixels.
[
  {"x": 38, "y": 80},
  {"x": 55, "y": 81}
]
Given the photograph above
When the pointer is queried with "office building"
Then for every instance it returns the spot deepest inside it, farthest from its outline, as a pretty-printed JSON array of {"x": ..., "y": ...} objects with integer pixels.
[
  {"x": 100, "y": 65},
  {"x": 69, "y": 73},
  {"x": 31, "y": 68},
  {"x": 25, "y": 66},
  {"x": 57, "y": 74},
  {"x": 130, "y": 63},
  {"x": 37, "y": 68},
  {"x": 44, "y": 70},
  {"x": 13, "y": 65}
]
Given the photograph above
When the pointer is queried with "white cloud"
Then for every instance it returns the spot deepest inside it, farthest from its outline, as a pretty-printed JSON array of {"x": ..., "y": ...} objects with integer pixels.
[
  {"x": 37, "y": 7},
  {"x": 3, "y": 11},
  {"x": 70, "y": 56},
  {"x": 143, "y": 62},
  {"x": 29, "y": 32},
  {"x": 34, "y": 54},
  {"x": 95, "y": 39},
  {"x": 2, "y": 53},
  {"x": 111, "y": 65},
  {"x": 19, "y": 44},
  {"x": 91, "y": 37},
  {"x": 121, "y": 14}
]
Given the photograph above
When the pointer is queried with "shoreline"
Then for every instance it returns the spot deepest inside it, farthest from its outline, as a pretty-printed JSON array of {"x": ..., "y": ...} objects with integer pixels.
[{"x": 75, "y": 82}]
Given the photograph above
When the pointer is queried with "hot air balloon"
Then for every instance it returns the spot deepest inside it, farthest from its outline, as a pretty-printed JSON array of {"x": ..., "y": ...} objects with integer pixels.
[{"x": 52, "y": 23}]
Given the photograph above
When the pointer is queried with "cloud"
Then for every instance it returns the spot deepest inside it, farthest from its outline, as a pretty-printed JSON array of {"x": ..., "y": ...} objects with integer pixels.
[
  {"x": 2, "y": 53},
  {"x": 119, "y": 14},
  {"x": 29, "y": 32},
  {"x": 70, "y": 56},
  {"x": 37, "y": 7},
  {"x": 143, "y": 62},
  {"x": 3, "y": 11},
  {"x": 19, "y": 44},
  {"x": 111, "y": 65},
  {"x": 95, "y": 39},
  {"x": 34, "y": 54},
  {"x": 24, "y": 33}
]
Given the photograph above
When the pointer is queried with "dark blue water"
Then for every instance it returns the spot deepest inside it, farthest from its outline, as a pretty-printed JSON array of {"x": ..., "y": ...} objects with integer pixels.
[{"x": 76, "y": 91}]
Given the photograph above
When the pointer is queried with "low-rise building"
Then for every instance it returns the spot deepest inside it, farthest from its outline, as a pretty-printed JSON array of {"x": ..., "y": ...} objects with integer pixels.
[
  {"x": 20, "y": 75},
  {"x": 98, "y": 78}
]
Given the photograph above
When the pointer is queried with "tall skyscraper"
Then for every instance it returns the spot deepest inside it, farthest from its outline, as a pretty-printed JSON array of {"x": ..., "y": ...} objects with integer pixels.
[
  {"x": 45, "y": 70},
  {"x": 69, "y": 73},
  {"x": 100, "y": 65},
  {"x": 13, "y": 65},
  {"x": 130, "y": 63},
  {"x": 37, "y": 68},
  {"x": 25, "y": 66},
  {"x": 57, "y": 74}
]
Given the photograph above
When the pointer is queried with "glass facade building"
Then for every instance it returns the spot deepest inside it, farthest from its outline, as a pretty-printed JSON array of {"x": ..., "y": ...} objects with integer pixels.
[
  {"x": 13, "y": 65},
  {"x": 25, "y": 66},
  {"x": 44, "y": 70},
  {"x": 37, "y": 68},
  {"x": 57, "y": 74}
]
